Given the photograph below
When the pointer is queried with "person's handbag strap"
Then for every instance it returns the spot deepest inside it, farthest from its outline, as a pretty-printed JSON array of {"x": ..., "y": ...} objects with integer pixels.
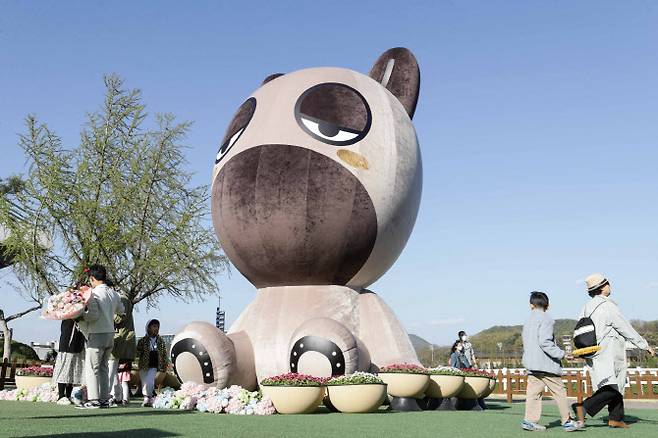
[{"x": 600, "y": 304}]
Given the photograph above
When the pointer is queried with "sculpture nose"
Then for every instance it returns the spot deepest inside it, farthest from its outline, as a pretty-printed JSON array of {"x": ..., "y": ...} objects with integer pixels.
[{"x": 287, "y": 215}]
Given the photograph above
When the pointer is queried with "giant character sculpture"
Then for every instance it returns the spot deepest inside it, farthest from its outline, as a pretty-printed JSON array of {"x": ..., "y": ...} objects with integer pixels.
[{"x": 315, "y": 191}]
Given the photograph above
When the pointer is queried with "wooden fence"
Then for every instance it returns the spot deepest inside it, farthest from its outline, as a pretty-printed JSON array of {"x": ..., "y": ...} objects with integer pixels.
[
  {"x": 7, "y": 373},
  {"x": 641, "y": 384}
]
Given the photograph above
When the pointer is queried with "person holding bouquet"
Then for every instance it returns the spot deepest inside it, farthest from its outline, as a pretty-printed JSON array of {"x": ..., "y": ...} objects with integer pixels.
[
  {"x": 152, "y": 357},
  {"x": 123, "y": 354},
  {"x": 69, "y": 365},
  {"x": 98, "y": 325}
]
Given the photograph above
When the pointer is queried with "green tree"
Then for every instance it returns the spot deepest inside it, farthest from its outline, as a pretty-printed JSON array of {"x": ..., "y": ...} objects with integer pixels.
[
  {"x": 121, "y": 198},
  {"x": 8, "y": 189}
]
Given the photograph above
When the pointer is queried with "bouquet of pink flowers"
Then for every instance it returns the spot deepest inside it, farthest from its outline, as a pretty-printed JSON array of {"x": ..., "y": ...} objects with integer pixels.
[{"x": 67, "y": 305}]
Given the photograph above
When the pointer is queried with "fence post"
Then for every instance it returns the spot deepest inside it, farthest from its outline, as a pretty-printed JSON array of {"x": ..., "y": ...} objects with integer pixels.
[
  {"x": 509, "y": 386},
  {"x": 500, "y": 386},
  {"x": 638, "y": 381},
  {"x": 650, "y": 378},
  {"x": 588, "y": 384},
  {"x": 3, "y": 373},
  {"x": 579, "y": 383}
]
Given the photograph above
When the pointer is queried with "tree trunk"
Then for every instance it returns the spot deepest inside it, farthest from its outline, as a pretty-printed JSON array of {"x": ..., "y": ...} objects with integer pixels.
[{"x": 7, "y": 337}]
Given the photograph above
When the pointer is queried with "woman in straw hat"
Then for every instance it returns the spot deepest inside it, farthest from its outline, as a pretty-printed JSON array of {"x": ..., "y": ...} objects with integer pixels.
[{"x": 607, "y": 366}]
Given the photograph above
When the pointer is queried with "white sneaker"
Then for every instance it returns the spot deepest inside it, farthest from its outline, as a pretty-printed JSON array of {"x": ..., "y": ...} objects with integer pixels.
[{"x": 63, "y": 401}]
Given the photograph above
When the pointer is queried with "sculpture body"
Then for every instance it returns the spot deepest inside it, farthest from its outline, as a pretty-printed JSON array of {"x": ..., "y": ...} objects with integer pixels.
[{"x": 315, "y": 191}]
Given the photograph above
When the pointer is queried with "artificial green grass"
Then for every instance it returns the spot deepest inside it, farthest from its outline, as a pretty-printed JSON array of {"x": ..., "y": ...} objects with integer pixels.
[{"x": 22, "y": 419}]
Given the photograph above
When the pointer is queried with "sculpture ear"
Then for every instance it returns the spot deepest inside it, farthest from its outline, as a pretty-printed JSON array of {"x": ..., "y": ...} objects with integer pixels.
[
  {"x": 271, "y": 78},
  {"x": 397, "y": 70}
]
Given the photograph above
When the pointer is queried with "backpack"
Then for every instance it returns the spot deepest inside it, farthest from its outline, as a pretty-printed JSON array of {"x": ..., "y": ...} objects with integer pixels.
[{"x": 584, "y": 334}]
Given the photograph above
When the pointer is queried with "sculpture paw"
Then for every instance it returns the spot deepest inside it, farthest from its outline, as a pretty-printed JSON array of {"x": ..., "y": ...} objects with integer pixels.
[
  {"x": 201, "y": 353},
  {"x": 323, "y": 347}
]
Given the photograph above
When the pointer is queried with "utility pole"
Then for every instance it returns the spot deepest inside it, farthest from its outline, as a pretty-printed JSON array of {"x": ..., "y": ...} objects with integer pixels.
[{"x": 220, "y": 316}]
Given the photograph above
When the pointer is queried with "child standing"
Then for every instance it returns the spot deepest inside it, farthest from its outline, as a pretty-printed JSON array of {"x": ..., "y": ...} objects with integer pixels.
[
  {"x": 152, "y": 357},
  {"x": 123, "y": 379},
  {"x": 541, "y": 357}
]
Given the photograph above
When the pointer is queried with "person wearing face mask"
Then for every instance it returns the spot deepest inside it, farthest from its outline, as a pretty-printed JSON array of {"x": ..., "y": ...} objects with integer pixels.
[
  {"x": 607, "y": 367},
  {"x": 457, "y": 358},
  {"x": 469, "y": 353}
]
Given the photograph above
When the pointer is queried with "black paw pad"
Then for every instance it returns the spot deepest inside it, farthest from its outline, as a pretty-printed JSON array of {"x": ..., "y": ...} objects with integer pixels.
[{"x": 197, "y": 349}]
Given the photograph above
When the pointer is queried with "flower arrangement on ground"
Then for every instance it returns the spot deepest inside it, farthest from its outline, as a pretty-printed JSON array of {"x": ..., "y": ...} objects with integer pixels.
[
  {"x": 357, "y": 392},
  {"x": 405, "y": 368},
  {"x": 476, "y": 384},
  {"x": 358, "y": 378},
  {"x": 445, "y": 382},
  {"x": 234, "y": 400},
  {"x": 294, "y": 393},
  {"x": 472, "y": 372},
  {"x": 35, "y": 371},
  {"x": 45, "y": 393},
  {"x": 294, "y": 379},
  {"x": 445, "y": 371},
  {"x": 67, "y": 305},
  {"x": 405, "y": 379}
]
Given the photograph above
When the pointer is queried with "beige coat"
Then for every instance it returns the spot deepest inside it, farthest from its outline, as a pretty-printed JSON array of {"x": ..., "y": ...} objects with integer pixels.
[
  {"x": 103, "y": 305},
  {"x": 608, "y": 366}
]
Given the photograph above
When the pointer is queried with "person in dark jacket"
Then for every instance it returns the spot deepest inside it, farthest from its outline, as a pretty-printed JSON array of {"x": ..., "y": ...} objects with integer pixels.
[
  {"x": 124, "y": 351},
  {"x": 69, "y": 365},
  {"x": 152, "y": 358},
  {"x": 457, "y": 357}
]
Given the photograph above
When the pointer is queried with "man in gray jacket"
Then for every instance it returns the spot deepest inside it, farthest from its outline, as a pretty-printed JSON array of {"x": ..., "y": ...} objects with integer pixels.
[
  {"x": 541, "y": 357},
  {"x": 607, "y": 367},
  {"x": 98, "y": 326}
]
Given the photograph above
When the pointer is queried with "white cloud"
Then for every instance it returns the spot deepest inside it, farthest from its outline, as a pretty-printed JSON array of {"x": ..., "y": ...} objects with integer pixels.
[{"x": 652, "y": 285}]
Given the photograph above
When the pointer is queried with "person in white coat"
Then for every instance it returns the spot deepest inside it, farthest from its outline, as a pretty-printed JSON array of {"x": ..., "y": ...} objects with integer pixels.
[{"x": 607, "y": 367}]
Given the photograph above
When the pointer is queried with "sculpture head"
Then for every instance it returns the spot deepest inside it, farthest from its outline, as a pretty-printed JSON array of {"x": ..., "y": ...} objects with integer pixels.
[{"x": 318, "y": 178}]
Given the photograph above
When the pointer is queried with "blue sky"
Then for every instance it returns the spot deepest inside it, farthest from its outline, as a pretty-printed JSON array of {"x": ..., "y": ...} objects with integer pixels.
[{"x": 537, "y": 123}]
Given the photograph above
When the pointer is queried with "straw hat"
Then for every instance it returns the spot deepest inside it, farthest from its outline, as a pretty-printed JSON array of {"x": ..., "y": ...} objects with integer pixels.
[{"x": 595, "y": 281}]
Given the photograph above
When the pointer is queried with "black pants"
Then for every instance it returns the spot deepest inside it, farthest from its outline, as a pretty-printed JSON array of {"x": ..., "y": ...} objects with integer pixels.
[
  {"x": 64, "y": 389},
  {"x": 606, "y": 395}
]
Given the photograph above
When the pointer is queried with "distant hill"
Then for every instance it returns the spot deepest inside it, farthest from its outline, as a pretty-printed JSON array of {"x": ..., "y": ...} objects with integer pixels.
[
  {"x": 19, "y": 352},
  {"x": 419, "y": 343},
  {"x": 486, "y": 341}
]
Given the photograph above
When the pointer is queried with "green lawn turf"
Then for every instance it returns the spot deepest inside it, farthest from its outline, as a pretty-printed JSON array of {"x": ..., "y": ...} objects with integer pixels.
[{"x": 21, "y": 419}]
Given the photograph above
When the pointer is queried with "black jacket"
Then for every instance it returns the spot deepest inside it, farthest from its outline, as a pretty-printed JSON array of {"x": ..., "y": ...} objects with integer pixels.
[{"x": 71, "y": 339}]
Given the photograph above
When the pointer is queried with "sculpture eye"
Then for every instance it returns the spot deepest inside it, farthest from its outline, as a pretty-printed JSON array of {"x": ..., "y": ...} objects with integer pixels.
[
  {"x": 333, "y": 113},
  {"x": 236, "y": 127},
  {"x": 328, "y": 130}
]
